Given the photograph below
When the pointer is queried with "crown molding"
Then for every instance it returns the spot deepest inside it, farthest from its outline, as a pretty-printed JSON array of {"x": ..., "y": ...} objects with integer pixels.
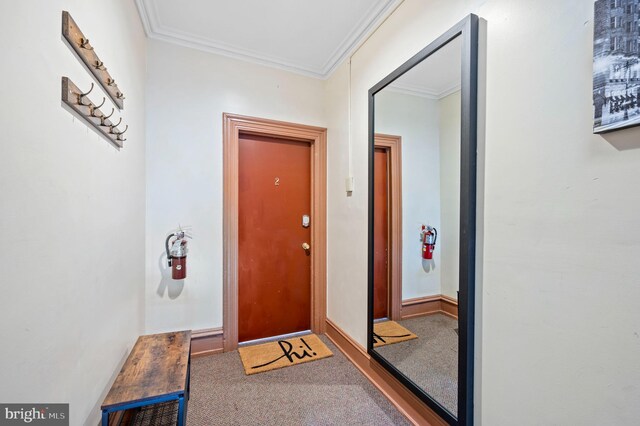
[
  {"x": 367, "y": 26},
  {"x": 378, "y": 13},
  {"x": 453, "y": 89},
  {"x": 405, "y": 89},
  {"x": 414, "y": 90},
  {"x": 142, "y": 13}
]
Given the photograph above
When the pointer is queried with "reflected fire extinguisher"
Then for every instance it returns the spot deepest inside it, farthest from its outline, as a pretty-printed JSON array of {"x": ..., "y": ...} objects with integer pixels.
[
  {"x": 177, "y": 254},
  {"x": 428, "y": 235}
]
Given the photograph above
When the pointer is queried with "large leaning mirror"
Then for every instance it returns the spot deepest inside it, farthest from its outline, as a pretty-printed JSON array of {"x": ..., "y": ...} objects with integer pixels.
[{"x": 422, "y": 212}]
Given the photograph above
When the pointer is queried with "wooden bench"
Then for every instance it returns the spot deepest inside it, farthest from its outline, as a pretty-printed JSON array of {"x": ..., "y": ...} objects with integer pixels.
[{"x": 157, "y": 372}]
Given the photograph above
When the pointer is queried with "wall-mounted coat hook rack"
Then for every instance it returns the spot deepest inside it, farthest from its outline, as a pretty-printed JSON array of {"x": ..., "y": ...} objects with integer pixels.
[
  {"x": 80, "y": 45},
  {"x": 78, "y": 101}
]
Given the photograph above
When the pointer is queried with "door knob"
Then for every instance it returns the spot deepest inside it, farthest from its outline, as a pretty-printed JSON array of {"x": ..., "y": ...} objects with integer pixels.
[{"x": 306, "y": 246}]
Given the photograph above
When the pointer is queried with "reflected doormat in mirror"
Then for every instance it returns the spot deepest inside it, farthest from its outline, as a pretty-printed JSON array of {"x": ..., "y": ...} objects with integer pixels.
[
  {"x": 388, "y": 332},
  {"x": 283, "y": 353}
]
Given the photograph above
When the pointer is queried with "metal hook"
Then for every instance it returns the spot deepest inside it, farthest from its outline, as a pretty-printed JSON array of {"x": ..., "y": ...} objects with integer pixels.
[
  {"x": 103, "y": 101},
  {"x": 84, "y": 43},
  {"x": 120, "y": 95},
  {"x": 104, "y": 117},
  {"x": 111, "y": 82},
  {"x": 119, "y": 134},
  {"x": 94, "y": 108},
  {"x": 114, "y": 125},
  {"x": 124, "y": 131},
  {"x": 100, "y": 65},
  {"x": 82, "y": 95},
  {"x": 85, "y": 94}
]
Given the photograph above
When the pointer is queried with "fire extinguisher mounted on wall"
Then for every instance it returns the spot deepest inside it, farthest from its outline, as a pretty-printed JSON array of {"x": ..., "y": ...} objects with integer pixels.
[
  {"x": 428, "y": 236},
  {"x": 177, "y": 254}
]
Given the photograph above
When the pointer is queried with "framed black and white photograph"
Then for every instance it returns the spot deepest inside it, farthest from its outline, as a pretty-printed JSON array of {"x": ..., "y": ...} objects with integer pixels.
[{"x": 616, "y": 65}]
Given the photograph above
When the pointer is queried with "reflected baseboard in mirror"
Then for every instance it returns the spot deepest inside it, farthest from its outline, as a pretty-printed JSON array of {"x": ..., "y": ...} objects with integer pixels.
[
  {"x": 438, "y": 303},
  {"x": 430, "y": 102}
]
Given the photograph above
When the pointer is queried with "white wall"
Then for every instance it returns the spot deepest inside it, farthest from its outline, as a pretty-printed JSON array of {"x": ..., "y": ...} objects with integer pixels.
[
  {"x": 415, "y": 119},
  {"x": 346, "y": 213},
  {"x": 72, "y": 210},
  {"x": 560, "y": 319},
  {"x": 188, "y": 92},
  {"x": 449, "y": 232}
]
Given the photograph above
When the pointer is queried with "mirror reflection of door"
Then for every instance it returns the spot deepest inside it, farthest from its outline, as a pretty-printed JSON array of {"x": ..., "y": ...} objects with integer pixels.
[
  {"x": 381, "y": 235},
  {"x": 423, "y": 107}
]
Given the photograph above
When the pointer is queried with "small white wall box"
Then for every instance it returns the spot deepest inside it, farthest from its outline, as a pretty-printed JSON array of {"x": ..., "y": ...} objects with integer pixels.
[{"x": 349, "y": 184}]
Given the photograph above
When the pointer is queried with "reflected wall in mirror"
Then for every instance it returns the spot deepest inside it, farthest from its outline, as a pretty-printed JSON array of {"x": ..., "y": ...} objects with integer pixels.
[{"x": 418, "y": 265}]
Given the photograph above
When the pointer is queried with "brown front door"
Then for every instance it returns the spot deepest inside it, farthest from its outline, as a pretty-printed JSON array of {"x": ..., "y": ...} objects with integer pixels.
[
  {"x": 381, "y": 234},
  {"x": 274, "y": 271}
]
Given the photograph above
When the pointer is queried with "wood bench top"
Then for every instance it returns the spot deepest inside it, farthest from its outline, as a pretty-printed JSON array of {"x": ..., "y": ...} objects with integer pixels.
[{"x": 157, "y": 366}]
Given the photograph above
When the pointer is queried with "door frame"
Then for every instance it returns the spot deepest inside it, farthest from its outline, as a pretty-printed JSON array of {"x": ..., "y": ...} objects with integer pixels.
[
  {"x": 393, "y": 145},
  {"x": 233, "y": 126}
]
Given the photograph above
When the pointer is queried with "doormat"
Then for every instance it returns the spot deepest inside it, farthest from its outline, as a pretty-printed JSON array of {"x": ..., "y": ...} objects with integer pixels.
[
  {"x": 283, "y": 353},
  {"x": 389, "y": 332}
]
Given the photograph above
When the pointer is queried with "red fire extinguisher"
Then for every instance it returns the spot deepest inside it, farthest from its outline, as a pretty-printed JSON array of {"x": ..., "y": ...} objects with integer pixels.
[
  {"x": 428, "y": 236},
  {"x": 177, "y": 254}
]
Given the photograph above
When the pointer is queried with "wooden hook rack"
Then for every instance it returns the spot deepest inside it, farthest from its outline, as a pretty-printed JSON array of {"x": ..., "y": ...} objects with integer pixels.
[
  {"x": 80, "y": 44},
  {"x": 89, "y": 112}
]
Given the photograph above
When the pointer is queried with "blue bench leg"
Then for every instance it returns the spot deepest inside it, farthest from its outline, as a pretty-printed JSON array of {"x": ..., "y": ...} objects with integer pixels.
[
  {"x": 105, "y": 418},
  {"x": 181, "y": 411}
]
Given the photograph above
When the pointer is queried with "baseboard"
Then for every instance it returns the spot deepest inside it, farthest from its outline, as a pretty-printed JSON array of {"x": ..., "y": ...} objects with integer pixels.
[
  {"x": 420, "y": 306},
  {"x": 429, "y": 305},
  {"x": 449, "y": 306},
  {"x": 206, "y": 342},
  {"x": 406, "y": 402},
  {"x": 210, "y": 341}
]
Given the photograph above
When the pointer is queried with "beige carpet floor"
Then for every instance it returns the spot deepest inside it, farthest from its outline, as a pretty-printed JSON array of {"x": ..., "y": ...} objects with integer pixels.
[
  {"x": 431, "y": 360},
  {"x": 329, "y": 391}
]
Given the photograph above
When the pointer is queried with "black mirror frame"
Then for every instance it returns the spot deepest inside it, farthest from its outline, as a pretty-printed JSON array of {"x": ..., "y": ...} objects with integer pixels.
[{"x": 468, "y": 29}]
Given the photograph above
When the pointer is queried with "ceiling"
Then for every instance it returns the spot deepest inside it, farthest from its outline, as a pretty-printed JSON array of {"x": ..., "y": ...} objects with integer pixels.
[
  {"x": 437, "y": 76},
  {"x": 303, "y": 36}
]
